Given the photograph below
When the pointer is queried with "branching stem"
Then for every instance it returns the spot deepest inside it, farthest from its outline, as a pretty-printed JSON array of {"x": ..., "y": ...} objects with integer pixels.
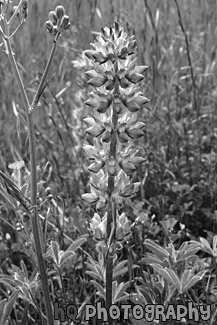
[{"x": 34, "y": 218}]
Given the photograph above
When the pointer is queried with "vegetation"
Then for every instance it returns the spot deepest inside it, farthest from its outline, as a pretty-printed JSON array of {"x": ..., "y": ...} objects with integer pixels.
[{"x": 107, "y": 158}]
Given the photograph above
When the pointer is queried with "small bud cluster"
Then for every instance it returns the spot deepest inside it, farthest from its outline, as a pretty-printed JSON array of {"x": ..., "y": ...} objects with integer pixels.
[
  {"x": 113, "y": 123},
  {"x": 22, "y": 11},
  {"x": 58, "y": 21}
]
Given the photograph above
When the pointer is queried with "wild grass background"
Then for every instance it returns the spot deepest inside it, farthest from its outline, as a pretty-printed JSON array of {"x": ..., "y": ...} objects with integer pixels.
[{"x": 181, "y": 123}]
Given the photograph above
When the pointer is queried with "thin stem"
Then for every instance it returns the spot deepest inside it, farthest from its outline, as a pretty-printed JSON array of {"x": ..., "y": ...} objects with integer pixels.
[
  {"x": 15, "y": 13},
  {"x": 34, "y": 219},
  {"x": 43, "y": 79},
  {"x": 111, "y": 215},
  {"x": 62, "y": 286},
  {"x": 196, "y": 106}
]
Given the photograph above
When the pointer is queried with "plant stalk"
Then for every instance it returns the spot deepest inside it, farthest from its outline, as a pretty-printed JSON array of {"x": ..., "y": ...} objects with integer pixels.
[{"x": 34, "y": 218}]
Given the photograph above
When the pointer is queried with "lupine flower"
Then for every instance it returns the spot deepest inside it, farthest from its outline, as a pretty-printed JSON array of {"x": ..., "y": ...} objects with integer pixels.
[{"x": 113, "y": 122}]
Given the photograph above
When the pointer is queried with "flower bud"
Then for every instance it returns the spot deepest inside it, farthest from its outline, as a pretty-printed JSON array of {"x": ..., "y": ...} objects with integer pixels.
[
  {"x": 123, "y": 138},
  {"x": 97, "y": 79},
  {"x": 65, "y": 23},
  {"x": 14, "y": 10},
  {"x": 123, "y": 53},
  {"x": 92, "y": 101},
  {"x": 104, "y": 104},
  {"x": 112, "y": 168},
  {"x": 122, "y": 219},
  {"x": 110, "y": 84},
  {"x": 53, "y": 17},
  {"x": 101, "y": 204},
  {"x": 95, "y": 167},
  {"x": 54, "y": 30},
  {"x": 127, "y": 191},
  {"x": 141, "y": 100},
  {"x": 60, "y": 11},
  {"x": 131, "y": 49},
  {"x": 48, "y": 190},
  {"x": 89, "y": 54},
  {"x": 137, "y": 160},
  {"x": 127, "y": 167},
  {"x": 95, "y": 131},
  {"x": 134, "y": 77},
  {"x": 99, "y": 57},
  {"x": 24, "y": 4},
  {"x": 126, "y": 228},
  {"x": 24, "y": 8},
  {"x": 131, "y": 104},
  {"x": 107, "y": 136},
  {"x": 134, "y": 133},
  {"x": 119, "y": 234},
  {"x": 90, "y": 198},
  {"x": 98, "y": 234},
  {"x": 49, "y": 26},
  {"x": 124, "y": 83},
  {"x": 95, "y": 221}
]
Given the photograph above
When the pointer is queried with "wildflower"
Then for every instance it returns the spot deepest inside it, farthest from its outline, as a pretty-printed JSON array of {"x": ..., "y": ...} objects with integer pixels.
[{"x": 113, "y": 122}]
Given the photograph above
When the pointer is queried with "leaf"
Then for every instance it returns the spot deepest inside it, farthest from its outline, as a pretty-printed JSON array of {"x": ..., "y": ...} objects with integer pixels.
[
  {"x": 100, "y": 289},
  {"x": 156, "y": 249},
  {"x": 214, "y": 245},
  {"x": 76, "y": 244},
  {"x": 55, "y": 252},
  {"x": 168, "y": 275},
  {"x": 152, "y": 259},
  {"x": 71, "y": 250},
  {"x": 94, "y": 275},
  {"x": 188, "y": 249},
  {"x": 24, "y": 270},
  {"x": 119, "y": 291},
  {"x": 8, "y": 306},
  {"x": 187, "y": 284},
  {"x": 8, "y": 281},
  {"x": 65, "y": 256},
  {"x": 206, "y": 246}
]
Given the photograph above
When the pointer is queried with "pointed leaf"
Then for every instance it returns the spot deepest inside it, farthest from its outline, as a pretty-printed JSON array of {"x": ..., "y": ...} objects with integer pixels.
[
  {"x": 9, "y": 306},
  {"x": 55, "y": 252},
  {"x": 206, "y": 246},
  {"x": 186, "y": 286},
  {"x": 100, "y": 289},
  {"x": 168, "y": 275},
  {"x": 156, "y": 249}
]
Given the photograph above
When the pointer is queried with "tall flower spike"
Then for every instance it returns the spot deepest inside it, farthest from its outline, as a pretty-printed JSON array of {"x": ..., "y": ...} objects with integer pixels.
[
  {"x": 113, "y": 122},
  {"x": 117, "y": 95}
]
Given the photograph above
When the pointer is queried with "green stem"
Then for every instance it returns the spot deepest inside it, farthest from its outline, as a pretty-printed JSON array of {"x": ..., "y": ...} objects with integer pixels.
[
  {"x": 111, "y": 215},
  {"x": 43, "y": 79},
  {"x": 34, "y": 219}
]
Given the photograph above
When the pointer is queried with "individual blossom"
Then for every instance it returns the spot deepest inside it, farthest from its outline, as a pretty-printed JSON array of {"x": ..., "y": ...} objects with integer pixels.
[{"x": 98, "y": 227}]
